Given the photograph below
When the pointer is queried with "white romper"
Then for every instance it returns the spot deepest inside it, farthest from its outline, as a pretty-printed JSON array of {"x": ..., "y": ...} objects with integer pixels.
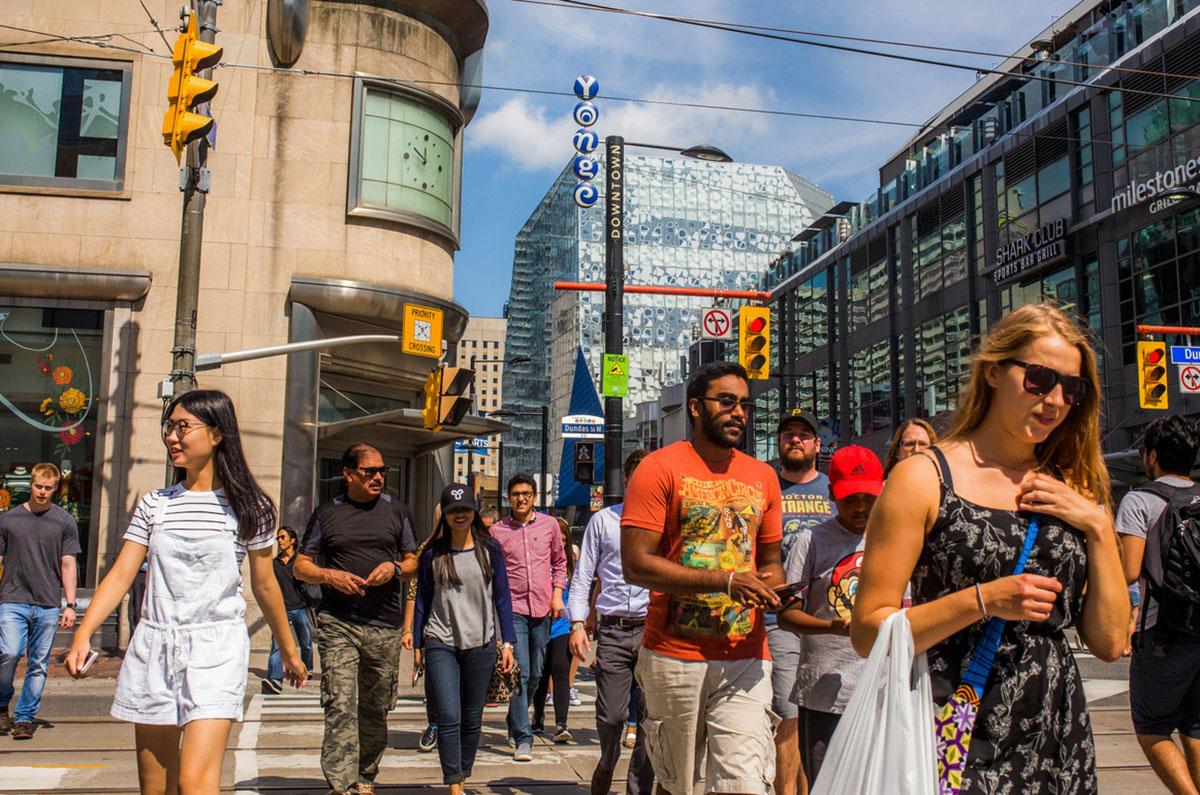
[{"x": 189, "y": 654}]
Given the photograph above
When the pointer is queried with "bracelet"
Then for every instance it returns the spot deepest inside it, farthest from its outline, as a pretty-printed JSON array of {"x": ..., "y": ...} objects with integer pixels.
[
  {"x": 406, "y": 632},
  {"x": 729, "y": 585},
  {"x": 979, "y": 596}
]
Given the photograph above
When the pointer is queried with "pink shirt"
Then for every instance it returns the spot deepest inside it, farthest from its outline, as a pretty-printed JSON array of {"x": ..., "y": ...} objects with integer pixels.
[{"x": 536, "y": 561}]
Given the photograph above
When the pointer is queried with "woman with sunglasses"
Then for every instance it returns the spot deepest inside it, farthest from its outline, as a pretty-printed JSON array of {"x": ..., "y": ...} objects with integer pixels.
[
  {"x": 183, "y": 680},
  {"x": 1025, "y": 442},
  {"x": 462, "y": 603}
]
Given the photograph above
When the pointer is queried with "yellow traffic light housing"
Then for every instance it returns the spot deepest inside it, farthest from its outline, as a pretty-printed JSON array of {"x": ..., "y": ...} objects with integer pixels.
[
  {"x": 444, "y": 401},
  {"x": 1152, "y": 374},
  {"x": 187, "y": 90},
  {"x": 754, "y": 340}
]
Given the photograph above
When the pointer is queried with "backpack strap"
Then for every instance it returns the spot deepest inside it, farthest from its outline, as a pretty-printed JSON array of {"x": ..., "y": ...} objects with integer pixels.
[{"x": 1165, "y": 491}]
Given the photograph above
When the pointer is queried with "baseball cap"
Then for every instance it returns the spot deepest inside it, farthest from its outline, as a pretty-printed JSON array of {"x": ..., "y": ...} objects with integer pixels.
[
  {"x": 457, "y": 495},
  {"x": 855, "y": 470},
  {"x": 797, "y": 414}
]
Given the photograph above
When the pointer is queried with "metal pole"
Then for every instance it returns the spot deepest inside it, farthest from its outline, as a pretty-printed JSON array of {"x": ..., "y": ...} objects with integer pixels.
[
  {"x": 500, "y": 490},
  {"x": 471, "y": 445},
  {"x": 195, "y": 186},
  {"x": 614, "y": 310},
  {"x": 545, "y": 455}
]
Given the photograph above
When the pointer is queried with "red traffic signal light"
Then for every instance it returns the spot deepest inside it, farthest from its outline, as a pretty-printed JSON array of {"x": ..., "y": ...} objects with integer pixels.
[
  {"x": 1152, "y": 375},
  {"x": 754, "y": 340}
]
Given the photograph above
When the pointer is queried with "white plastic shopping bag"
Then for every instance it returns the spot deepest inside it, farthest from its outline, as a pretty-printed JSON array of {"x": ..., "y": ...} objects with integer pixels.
[{"x": 883, "y": 744}]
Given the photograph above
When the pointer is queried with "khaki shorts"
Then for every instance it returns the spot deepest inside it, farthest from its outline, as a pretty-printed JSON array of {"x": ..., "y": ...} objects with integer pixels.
[{"x": 715, "y": 712}]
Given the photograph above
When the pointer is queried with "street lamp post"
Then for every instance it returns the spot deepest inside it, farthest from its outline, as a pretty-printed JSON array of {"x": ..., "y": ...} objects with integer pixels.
[
  {"x": 544, "y": 413},
  {"x": 471, "y": 447},
  {"x": 614, "y": 288}
]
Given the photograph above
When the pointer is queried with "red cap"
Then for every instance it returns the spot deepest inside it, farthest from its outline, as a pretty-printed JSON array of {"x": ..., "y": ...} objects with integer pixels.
[{"x": 855, "y": 470}]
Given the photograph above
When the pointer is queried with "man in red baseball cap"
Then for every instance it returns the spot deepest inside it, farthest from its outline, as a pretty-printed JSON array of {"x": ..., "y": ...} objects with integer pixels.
[{"x": 825, "y": 562}]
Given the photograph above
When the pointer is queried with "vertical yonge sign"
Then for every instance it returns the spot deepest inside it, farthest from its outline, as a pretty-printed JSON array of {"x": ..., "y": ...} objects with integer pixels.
[{"x": 1037, "y": 248}]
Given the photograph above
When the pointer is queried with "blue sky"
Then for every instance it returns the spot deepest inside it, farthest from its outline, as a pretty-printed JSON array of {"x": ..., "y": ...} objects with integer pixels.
[{"x": 518, "y": 142}]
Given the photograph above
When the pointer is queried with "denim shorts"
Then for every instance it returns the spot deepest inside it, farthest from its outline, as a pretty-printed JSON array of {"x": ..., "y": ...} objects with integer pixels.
[{"x": 1164, "y": 685}]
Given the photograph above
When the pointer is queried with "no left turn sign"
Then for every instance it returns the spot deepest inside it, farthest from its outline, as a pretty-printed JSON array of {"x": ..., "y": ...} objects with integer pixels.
[
  {"x": 1189, "y": 378},
  {"x": 716, "y": 324}
]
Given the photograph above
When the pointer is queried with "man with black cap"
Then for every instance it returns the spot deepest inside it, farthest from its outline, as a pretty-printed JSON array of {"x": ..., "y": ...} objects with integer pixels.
[{"x": 806, "y": 504}]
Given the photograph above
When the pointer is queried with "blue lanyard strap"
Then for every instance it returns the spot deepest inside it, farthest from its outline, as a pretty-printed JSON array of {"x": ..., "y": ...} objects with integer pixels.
[{"x": 984, "y": 655}]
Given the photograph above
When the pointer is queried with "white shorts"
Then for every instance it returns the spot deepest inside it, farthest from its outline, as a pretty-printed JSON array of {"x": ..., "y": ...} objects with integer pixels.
[
  {"x": 715, "y": 712},
  {"x": 174, "y": 675}
]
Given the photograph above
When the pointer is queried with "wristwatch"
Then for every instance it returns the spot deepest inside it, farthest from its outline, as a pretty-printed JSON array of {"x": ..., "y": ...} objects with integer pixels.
[
  {"x": 399, "y": 571},
  {"x": 71, "y": 605},
  {"x": 578, "y": 625},
  {"x": 506, "y": 645}
]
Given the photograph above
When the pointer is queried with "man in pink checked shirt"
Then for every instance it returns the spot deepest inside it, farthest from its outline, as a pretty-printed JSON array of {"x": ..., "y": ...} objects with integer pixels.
[{"x": 532, "y": 546}]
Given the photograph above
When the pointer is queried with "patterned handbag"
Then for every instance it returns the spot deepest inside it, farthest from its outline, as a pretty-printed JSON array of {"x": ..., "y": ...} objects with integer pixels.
[
  {"x": 502, "y": 685},
  {"x": 954, "y": 722}
]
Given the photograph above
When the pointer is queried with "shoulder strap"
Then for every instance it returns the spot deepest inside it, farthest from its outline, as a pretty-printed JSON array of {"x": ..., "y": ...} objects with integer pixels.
[
  {"x": 160, "y": 509},
  {"x": 941, "y": 465}
]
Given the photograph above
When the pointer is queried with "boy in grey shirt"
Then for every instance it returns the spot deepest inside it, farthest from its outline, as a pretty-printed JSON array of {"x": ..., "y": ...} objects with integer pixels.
[{"x": 825, "y": 562}]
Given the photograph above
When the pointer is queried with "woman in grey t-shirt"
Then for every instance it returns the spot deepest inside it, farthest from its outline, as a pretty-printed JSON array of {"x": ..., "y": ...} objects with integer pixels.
[{"x": 462, "y": 593}]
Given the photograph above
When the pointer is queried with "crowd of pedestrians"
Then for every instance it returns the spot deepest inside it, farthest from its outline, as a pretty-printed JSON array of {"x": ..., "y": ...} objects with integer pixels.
[{"x": 725, "y": 607}]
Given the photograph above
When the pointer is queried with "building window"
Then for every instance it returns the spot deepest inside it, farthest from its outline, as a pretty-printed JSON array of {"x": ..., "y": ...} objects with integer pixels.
[
  {"x": 51, "y": 379},
  {"x": 871, "y": 388},
  {"x": 63, "y": 123},
  {"x": 943, "y": 353},
  {"x": 1158, "y": 269},
  {"x": 405, "y": 157}
]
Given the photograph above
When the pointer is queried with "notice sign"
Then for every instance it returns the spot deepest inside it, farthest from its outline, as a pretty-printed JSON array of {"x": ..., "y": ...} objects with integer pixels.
[
  {"x": 1189, "y": 379},
  {"x": 1025, "y": 253},
  {"x": 615, "y": 380},
  {"x": 422, "y": 331}
]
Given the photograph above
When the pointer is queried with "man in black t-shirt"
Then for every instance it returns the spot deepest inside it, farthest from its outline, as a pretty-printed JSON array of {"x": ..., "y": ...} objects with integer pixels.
[
  {"x": 364, "y": 540},
  {"x": 294, "y": 604}
]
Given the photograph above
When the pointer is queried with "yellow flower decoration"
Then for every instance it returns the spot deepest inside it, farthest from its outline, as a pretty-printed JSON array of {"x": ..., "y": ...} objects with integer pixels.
[
  {"x": 48, "y": 406},
  {"x": 726, "y": 561},
  {"x": 63, "y": 375},
  {"x": 72, "y": 400}
]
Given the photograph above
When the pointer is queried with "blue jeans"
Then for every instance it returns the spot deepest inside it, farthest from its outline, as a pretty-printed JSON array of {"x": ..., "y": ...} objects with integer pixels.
[
  {"x": 530, "y": 650},
  {"x": 459, "y": 680},
  {"x": 25, "y": 628},
  {"x": 298, "y": 619}
]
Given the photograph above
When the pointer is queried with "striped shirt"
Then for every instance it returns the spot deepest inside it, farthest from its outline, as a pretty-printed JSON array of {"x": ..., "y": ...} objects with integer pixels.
[{"x": 193, "y": 512}]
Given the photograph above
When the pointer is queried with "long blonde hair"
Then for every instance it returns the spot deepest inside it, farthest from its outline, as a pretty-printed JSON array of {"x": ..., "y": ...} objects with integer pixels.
[
  {"x": 893, "y": 455},
  {"x": 1073, "y": 448}
]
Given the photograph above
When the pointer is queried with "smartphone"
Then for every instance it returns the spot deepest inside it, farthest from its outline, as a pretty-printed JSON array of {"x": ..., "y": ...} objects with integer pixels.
[
  {"x": 789, "y": 593},
  {"x": 92, "y": 656}
]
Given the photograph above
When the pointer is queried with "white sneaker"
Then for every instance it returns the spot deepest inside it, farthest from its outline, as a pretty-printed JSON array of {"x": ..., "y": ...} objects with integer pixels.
[
  {"x": 575, "y": 702},
  {"x": 524, "y": 753}
]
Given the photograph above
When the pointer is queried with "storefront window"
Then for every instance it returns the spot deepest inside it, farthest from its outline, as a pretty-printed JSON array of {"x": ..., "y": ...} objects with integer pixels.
[{"x": 49, "y": 377}]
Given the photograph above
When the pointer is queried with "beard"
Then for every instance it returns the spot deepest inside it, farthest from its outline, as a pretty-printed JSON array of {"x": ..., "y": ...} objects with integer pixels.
[
  {"x": 727, "y": 436},
  {"x": 797, "y": 460}
]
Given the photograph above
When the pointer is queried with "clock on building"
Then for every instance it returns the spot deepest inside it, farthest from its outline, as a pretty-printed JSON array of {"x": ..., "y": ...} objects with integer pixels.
[{"x": 407, "y": 159}]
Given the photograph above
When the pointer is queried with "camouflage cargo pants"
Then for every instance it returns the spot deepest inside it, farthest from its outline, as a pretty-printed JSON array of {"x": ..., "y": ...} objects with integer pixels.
[{"x": 359, "y": 673}]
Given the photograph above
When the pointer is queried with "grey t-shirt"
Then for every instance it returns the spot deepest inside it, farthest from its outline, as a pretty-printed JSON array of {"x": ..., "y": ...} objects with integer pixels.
[
  {"x": 1136, "y": 516},
  {"x": 33, "y": 546},
  {"x": 827, "y": 560},
  {"x": 804, "y": 506},
  {"x": 463, "y": 617}
]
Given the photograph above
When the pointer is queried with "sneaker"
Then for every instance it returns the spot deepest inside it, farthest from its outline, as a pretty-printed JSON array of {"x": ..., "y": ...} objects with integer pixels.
[
  {"x": 365, "y": 788},
  {"x": 5, "y": 721},
  {"x": 22, "y": 730},
  {"x": 630, "y": 736},
  {"x": 575, "y": 702},
  {"x": 524, "y": 752},
  {"x": 271, "y": 687},
  {"x": 562, "y": 734},
  {"x": 537, "y": 726},
  {"x": 428, "y": 740},
  {"x": 549, "y": 698}
]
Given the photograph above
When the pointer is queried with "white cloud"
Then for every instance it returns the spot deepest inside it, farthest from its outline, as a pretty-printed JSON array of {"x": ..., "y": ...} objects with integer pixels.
[{"x": 524, "y": 134}]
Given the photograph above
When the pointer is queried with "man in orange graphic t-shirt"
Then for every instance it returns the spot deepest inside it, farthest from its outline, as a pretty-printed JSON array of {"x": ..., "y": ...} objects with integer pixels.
[{"x": 701, "y": 529}]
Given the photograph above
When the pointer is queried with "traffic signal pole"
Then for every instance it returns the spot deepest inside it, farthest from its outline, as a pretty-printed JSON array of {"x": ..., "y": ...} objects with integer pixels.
[
  {"x": 614, "y": 307},
  {"x": 194, "y": 181}
]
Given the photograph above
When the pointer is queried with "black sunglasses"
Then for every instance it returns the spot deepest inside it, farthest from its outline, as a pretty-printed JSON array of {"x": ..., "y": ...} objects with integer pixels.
[
  {"x": 370, "y": 472},
  {"x": 730, "y": 403},
  {"x": 1041, "y": 380}
]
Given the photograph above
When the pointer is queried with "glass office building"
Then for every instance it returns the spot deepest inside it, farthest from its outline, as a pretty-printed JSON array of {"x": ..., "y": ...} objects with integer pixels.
[
  {"x": 1047, "y": 181},
  {"x": 688, "y": 223}
]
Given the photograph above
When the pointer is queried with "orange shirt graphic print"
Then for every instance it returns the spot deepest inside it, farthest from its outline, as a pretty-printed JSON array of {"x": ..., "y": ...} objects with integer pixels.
[{"x": 718, "y": 522}]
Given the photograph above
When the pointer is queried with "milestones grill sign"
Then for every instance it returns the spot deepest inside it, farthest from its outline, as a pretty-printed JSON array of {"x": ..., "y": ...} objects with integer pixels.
[{"x": 1039, "y": 247}]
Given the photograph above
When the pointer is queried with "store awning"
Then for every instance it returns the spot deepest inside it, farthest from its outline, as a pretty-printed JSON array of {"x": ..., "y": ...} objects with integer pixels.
[{"x": 406, "y": 428}]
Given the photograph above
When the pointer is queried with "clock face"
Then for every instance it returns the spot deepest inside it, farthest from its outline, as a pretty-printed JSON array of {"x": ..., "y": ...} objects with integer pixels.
[{"x": 407, "y": 160}]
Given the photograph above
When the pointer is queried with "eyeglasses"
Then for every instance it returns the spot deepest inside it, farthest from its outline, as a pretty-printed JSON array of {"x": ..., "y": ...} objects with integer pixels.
[
  {"x": 729, "y": 403},
  {"x": 915, "y": 444},
  {"x": 370, "y": 472},
  {"x": 521, "y": 495},
  {"x": 180, "y": 427},
  {"x": 1041, "y": 380}
]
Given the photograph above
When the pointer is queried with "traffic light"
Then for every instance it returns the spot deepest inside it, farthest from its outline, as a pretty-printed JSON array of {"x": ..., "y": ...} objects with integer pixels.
[
  {"x": 754, "y": 340},
  {"x": 1152, "y": 374},
  {"x": 585, "y": 463},
  {"x": 444, "y": 401},
  {"x": 187, "y": 90}
]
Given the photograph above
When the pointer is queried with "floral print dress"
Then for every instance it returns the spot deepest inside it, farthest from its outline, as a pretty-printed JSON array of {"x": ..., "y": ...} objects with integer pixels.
[{"x": 1033, "y": 733}]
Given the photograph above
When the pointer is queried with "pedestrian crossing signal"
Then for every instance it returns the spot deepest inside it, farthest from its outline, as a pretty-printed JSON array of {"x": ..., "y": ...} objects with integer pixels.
[
  {"x": 754, "y": 340},
  {"x": 585, "y": 463},
  {"x": 444, "y": 401},
  {"x": 1152, "y": 374}
]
